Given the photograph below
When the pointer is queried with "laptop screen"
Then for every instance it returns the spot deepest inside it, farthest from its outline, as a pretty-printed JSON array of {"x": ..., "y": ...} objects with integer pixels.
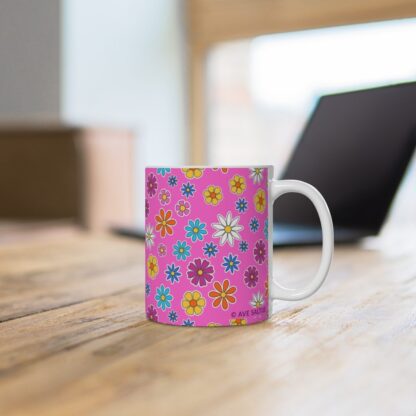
[{"x": 354, "y": 150}]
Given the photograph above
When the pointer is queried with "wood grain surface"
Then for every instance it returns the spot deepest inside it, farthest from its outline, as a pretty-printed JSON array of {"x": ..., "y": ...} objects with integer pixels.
[{"x": 74, "y": 339}]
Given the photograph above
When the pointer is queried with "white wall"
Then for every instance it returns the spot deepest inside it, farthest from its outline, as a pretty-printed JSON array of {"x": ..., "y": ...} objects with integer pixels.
[
  {"x": 29, "y": 59},
  {"x": 123, "y": 64}
]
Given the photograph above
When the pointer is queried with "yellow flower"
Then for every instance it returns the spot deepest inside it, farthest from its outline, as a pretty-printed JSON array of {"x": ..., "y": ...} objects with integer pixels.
[
  {"x": 213, "y": 195},
  {"x": 152, "y": 266},
  {"x": 238, "y": 321},
  {"x": 191, "y": 173},
  {"x": 260, "y": 200},
  {"x": 237, "y": 184},
  {"x": 193, "y": 303}
]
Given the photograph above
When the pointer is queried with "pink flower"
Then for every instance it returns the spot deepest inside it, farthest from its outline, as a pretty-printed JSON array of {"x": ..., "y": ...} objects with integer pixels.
[
  {"x": 151, "y": 184},
  {"x": 146, "y": 208},
  {"x": 151, "y": 313},
  {"x": 164, "y": 197},
  {"x": 200, "y": 272},
  {"x": 251, "y": 276},
  {"x": 260, "y": 252},
  {"x": 162, "y": 250},
  {"x": 183, "y": 208}
]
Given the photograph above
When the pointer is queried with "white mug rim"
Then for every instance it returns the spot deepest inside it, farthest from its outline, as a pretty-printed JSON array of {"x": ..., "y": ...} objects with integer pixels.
[{"x": 209, "y": 166}]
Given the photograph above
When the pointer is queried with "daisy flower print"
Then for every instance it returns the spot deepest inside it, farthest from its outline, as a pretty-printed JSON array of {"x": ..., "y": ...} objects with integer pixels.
[
  {"x": 256, "y": 174},
  {"x": 227, "y": 229}
]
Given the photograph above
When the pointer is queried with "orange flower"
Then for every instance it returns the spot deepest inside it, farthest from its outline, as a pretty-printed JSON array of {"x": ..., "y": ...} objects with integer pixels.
[
  {"x": 223, "y": 294},
  {"x": 165, "y": 222}
]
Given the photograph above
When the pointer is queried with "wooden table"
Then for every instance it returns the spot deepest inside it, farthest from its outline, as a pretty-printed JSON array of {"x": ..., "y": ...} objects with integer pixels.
[{"x": 74, "y": 339}]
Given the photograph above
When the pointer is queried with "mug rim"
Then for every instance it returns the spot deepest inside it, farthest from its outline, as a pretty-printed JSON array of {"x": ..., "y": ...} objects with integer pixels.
[{"x": 208, "y": 166}]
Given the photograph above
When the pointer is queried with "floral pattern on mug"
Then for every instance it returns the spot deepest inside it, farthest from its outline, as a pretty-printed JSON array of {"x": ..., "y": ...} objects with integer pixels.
[
  {"x": 193, "y": 303},
  {"x": 152, "y": 267},
  {"x": 165, "y": 222},
  {"x": 192, "y": 173},
  {"x": 200, "y": 272},
  {"x": 164, "y": 197},
  {"x": 227, "y": 229},
  {"x": 213, "y": 195},
  {"x": 183, "y": 208},
  {"x": 223, "y": 294},
  {"x": 206, "y": 246}
]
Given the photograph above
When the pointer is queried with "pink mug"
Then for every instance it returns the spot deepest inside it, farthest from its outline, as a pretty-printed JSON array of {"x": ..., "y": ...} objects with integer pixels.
[{"x": 209, "y": 245}]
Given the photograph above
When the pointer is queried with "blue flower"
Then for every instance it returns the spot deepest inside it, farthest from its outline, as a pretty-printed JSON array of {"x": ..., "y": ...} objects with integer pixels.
[
  {"x": 147, "y": 289},
  {"x": 173, "y": 316},
  {"x": 210, "y": 250},
  {"x": 188, "y": 189},
  {"x": 172, "y": 273},
  {"x": 254, "y": 224},
  {"x": 243, "y": 246},
  {"x": 163, "y": 297},
  {"x": 188, "y": 322},
  {"x": 181, "y": 250},
  {"x": 241, "y": 205},
  {"x": 163, "y": 171},
  {"x": 231, "y": 263},
  {"x": 195, "y": 230},
  {"x": 266, "y": 229},
  {"x": 172, "y": 180}
]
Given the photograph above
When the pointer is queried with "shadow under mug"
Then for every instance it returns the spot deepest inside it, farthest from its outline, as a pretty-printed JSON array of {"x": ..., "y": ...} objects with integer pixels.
[{"x": 209, "y": 244}]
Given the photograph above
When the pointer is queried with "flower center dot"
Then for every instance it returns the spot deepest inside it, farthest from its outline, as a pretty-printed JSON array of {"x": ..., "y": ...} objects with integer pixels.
[
  {"x": 227, "y": 229},
  {"x": 195, "y": 230},
  {"x": 192, "y": 303},
  {"x": 200, "y": 272}
]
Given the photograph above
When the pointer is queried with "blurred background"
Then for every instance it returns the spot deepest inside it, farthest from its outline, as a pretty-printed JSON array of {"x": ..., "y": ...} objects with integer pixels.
[{"x": 93, "y": 91}]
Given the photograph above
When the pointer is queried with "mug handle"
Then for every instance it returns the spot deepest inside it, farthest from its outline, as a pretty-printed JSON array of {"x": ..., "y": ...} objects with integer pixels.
[{"x": 278, "y": 188}]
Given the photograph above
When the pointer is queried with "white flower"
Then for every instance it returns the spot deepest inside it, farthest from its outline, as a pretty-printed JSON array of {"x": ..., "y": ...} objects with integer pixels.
[
  {"x": 257, "y": 300},
  {"x": 149, "y": 236},
  {"x": 256, "y": 174},
  {"x": 227, "y": 229}
]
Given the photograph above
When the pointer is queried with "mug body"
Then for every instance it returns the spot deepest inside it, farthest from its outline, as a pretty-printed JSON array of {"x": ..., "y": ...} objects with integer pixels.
[{"x": 207, "y": 245}]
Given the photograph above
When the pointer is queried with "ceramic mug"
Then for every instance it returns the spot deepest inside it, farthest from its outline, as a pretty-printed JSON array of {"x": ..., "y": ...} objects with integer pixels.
[{"x": 209, "y": 244}]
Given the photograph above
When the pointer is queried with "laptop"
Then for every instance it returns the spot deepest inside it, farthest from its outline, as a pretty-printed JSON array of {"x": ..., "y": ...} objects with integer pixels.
[{"x": 354, "y": 149}]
